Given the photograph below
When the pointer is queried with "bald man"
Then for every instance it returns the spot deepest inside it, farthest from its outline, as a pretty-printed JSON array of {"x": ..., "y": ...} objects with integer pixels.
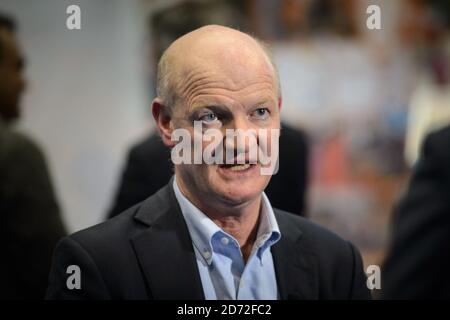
[{"x": 211, "y": 233}]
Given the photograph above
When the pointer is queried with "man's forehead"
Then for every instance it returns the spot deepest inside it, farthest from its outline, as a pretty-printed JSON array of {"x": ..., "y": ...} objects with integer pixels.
[
  {"x": 223, "y": 68},
  {"x": 219, "y": 55}
]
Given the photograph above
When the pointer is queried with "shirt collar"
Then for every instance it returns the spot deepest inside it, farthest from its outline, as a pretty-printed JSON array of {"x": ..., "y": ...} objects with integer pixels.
[
  {"x": 202, "y": 229},
  {"x": 268, "y": 230}
]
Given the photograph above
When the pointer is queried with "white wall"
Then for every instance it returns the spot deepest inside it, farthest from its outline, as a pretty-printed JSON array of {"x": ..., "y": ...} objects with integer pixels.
[{"x": 87, "y": 100}]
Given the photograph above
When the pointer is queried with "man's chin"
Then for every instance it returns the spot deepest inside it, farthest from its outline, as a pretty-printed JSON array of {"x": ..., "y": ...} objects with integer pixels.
[
  {"x": 238, "y": 200},
  {"x": 237, "y": 187},
  {"x": 238, "y": 193}
]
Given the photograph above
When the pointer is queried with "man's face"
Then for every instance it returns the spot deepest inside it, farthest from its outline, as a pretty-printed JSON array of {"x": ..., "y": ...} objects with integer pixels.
[
  {"x": 223, "y": 92},
  {"x": 12, "y": 81}
]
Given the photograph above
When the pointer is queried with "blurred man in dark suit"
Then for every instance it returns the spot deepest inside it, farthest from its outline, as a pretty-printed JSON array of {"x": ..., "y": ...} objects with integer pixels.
[
  {"x": 419, "y": 257},
  {"x": 30, "y": 224},
  {"x": 149, "y": 168}
]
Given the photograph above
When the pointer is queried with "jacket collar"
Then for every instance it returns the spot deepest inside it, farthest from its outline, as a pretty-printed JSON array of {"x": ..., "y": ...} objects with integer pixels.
[
  {"x": 165, "y": 251},
  {"x": 296, "y": 267}
]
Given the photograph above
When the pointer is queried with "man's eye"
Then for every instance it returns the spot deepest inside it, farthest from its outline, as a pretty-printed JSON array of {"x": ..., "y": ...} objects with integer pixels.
[
  {"x": 261, "y": 113},
  {"x": 210, "y": 117}
]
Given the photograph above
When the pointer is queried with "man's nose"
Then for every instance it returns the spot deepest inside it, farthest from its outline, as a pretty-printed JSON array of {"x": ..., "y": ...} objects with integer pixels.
[
  {"x": 243, "y": 137},
  {"x": 242, "y": 123}
]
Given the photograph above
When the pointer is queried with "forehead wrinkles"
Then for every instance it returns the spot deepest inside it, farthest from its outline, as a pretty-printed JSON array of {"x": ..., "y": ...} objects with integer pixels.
[
  {"x": 194, "y": 79},
  {"x": 208, "y": 58},
  {"x": 206, "y": 87}
]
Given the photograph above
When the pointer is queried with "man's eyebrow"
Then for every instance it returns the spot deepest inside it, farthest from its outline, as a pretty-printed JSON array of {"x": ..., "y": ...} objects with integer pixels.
[
  {"x": 214, "y": 105},
  {"x": 198, "y": 105},
  {"x": 264, "y": 101},
  {"x": 206, "y": 104}
]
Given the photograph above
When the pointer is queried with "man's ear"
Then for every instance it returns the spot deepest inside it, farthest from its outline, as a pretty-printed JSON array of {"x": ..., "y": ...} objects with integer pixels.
[
  {"x": 163, "y": 119},
  {"x": 279, "y": 103}
]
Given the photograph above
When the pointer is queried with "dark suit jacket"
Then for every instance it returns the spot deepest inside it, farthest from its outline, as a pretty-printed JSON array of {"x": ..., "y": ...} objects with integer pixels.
[
  {"x": 147, "y": 253},
  {"x": 419, "y": 257},
  {"x": 149, "y": 168},
  {"x": 30, "y": 224}
]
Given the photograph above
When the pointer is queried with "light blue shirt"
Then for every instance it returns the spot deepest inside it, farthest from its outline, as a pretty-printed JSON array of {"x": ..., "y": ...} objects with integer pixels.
[{"x": 223, "y": 272}]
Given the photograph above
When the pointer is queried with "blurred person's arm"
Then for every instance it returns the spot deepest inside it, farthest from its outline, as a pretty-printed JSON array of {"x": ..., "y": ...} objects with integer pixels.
[
  {"x": 132, "y": 185},
  {"x": 418, "y": 259},
  {"x": 148, "y": 168},
  {"x": 288, "y": 187}
]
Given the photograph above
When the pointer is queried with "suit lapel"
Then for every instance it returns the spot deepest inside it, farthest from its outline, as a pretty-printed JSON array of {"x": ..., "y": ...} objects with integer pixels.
[
  {"x": 296, "y": 269},
  {"x": 165, "y": 251}
]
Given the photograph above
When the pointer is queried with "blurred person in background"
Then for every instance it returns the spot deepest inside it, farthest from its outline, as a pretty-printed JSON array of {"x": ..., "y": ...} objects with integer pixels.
[
  {"x": 418, "y": 260},
  {"x": 425, "y": 30},
  {"x": 30, "y": 223},
  {"x": 419, "y": 253}
]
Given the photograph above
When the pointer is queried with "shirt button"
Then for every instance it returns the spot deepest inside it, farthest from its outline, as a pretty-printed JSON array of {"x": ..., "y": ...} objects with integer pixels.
[
  {"x": 207, "y": 254},
  {"x": 225, "y": 241}
]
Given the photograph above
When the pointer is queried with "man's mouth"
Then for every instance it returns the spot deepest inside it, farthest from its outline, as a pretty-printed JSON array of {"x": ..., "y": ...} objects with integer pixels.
[{"x": 238, "y": 167}]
